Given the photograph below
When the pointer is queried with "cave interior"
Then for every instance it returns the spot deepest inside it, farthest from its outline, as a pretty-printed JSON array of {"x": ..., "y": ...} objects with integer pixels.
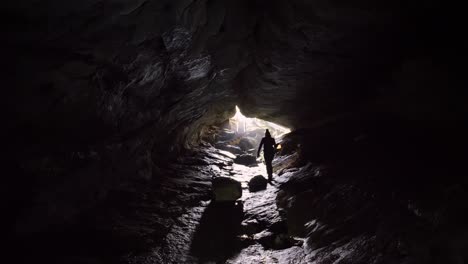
[{"x": 125, "y": 141}]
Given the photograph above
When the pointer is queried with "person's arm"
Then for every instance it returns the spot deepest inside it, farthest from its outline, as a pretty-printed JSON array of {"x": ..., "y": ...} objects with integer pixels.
[
  {"x": 259, "y": 148},
  {"x": 274, "y": 145}
]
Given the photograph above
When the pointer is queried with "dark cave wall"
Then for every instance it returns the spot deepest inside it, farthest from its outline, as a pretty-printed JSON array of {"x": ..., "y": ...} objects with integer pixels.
[
  {"x": 317, "y": 61},
  {"x": 109, "y": 91},
  {"x": 106, "y": 92}
]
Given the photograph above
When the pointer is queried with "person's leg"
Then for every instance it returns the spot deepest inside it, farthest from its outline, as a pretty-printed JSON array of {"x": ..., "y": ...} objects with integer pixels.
[{"x": 269, "y": 169}]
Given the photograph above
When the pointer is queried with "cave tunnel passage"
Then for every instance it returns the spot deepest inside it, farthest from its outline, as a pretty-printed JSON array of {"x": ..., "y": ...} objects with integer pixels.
[
  {"x": 249, "y": 131},
  {"x": 124, "y": 145},
  {"x": 241, "y": 222}
]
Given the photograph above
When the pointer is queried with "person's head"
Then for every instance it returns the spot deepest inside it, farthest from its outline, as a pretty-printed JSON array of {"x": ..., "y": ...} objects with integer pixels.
[{"x": 267, "y": 133}]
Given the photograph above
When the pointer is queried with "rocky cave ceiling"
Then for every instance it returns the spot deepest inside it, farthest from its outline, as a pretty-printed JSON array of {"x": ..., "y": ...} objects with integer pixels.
[{"x": 127, "y": 65}]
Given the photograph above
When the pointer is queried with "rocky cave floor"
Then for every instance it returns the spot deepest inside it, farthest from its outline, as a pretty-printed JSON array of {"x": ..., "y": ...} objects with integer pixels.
[
  {"x": 306, "y": 215},
  {"x": 179, "y": 223}
]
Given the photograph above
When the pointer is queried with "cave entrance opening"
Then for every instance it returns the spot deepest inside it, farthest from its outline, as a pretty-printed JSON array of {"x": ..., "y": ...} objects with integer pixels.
[
  {"x": 242, "y": 135},
  {"x": 242, "y": 188},
  {"x": 241, "y": 124}
]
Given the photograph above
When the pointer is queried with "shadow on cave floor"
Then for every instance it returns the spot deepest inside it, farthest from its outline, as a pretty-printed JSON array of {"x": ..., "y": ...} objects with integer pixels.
[{"x": 215, "y": 238}]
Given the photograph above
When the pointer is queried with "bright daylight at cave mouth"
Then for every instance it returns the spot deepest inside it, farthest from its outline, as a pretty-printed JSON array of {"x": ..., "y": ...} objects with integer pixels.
[
  {"x": 247, "y": 134},
  {"x": 242, "y": 124}
]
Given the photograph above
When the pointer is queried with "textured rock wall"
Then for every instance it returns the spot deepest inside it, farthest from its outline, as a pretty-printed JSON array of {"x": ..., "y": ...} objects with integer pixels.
[{"x": 106, "y": 91}]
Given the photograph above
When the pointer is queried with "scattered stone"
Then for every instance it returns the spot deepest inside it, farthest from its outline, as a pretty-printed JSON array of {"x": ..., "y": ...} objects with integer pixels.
[
  {"x": 250, "y": 227},
  {"x": 257, "y": 183},
  {"x": 230, "y": 148},
  {"x": 227, "y": 154},
  {"x": 246, "y": 159},
  {"x": 271, "y": 240},
  {"x": 226, "y": 189}
]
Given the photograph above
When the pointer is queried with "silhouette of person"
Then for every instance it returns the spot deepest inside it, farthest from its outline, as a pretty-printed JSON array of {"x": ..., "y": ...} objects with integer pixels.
[{"x": 269, "y": 148}]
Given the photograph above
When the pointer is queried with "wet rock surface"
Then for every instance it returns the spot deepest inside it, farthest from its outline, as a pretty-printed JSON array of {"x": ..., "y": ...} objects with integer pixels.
[
  {"x": 311, "y": 212},
  {"x": 176, "y": 219}
]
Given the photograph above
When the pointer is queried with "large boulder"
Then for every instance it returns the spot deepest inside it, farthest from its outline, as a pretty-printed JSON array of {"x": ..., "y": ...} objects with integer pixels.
[
  {"x": 257, "y": 183},
  {"x": 226, "y": 189},
  {"x": 247, "y": 143},
  {"x": 246, "y": 159}
]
